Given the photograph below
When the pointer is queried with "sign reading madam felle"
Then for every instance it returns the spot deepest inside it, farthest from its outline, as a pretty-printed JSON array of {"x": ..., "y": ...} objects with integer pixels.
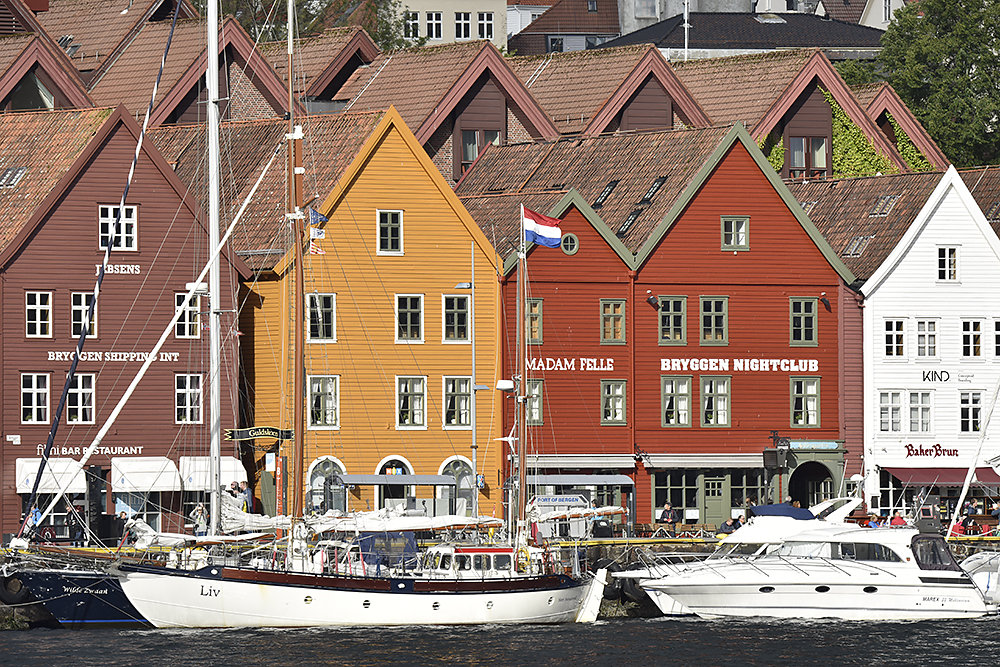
[
  {"x": 742, "y": 365},
  {"x": 571, "y": 364}
]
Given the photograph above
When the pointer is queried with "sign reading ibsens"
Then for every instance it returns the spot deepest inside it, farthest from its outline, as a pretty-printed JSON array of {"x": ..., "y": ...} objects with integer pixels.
[{"x": 754, "y": 365}]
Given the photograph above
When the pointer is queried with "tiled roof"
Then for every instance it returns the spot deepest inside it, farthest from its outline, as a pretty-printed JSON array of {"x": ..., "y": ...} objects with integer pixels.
[
  {"x": 984, "y": 183},
  {"x": 129, "y": 79},
  {"x": 389, "y": 79},
  {"x": 845, "y": 10},
  {"x": 866, "y": 92},
  {"x": 741, "y": 88},
  {"x": 575, "y": 85},
  {"x": 538, "y": 175},
  {"x": 727, "y": 30},
  {"x": 45, "y": 144},
  {"x": 331, "y": 143},
  {"x": 11, "y": 46},
  {"x": 570, "y": 17},
  {"x": 312, "y": 55}
]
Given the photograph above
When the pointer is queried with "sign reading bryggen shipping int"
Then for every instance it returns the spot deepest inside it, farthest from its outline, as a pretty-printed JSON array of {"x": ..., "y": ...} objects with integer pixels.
[{"x": 751, "y": 365}]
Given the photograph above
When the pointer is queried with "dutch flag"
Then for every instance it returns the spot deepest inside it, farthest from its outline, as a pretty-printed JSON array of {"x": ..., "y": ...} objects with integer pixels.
[{"x": 540, "y": 229}]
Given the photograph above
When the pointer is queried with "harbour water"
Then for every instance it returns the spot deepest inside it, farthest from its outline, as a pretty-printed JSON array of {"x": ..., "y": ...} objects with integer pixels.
[{"x": 657, "y": 641}]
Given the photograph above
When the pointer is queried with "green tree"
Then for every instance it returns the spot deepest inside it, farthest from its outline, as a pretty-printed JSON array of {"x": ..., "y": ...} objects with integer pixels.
[{"x": 941, "y": 57}]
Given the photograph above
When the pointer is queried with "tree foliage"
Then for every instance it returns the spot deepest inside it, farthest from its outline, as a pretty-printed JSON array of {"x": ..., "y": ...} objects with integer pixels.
[{"x": 941, "y": 57}]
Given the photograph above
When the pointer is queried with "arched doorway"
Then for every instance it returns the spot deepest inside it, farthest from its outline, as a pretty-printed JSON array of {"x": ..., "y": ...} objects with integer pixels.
[
  {"x": 326, "y": 491},
  {"x": 811, "y": 482},
  {"x": 391, "y": 494},
  {"x": 461, "y": 469}
]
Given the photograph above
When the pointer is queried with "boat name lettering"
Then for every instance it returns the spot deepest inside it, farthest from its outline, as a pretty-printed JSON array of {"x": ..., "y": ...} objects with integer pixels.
[
  {"x": 210, "y": 592},
  {"x": 741, "y": 365},
  {"x": 133, "y": 269},
  {"x": 570, "y": 364},
  {"x": 111, "y": 450},
  {"x": 96, "y": 355},
  {"x": 88, "y": 591},
  {"x": 933, "y": 451}
]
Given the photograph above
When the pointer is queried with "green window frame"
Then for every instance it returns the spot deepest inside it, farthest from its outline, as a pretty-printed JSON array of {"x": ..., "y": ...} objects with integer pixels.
[
  {"x": 533, "y": 322},
  {"x": 612, "y": 321},
  {"x": 409, "y": 318},
  {"x": 534, "y": 390},
  {"x": 735, "y": 232},
  {"x": 673, "y": 320},
  {"x": 455, "y": 318},
  {"x": 714, "y": 324},
  {"x": 804, "y": 393},
  {"x": 802, "y": 322},
  {"x": 716, "y": 401},
  {"x": 613, "y": 403},
  {"x": 675, "y": 401}
]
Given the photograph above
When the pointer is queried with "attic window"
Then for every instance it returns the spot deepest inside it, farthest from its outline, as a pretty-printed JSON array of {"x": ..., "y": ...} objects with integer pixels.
[
  {"x": 856, "y": 246},
  {"x": 603, "y": 197},
  {"x": 557, "y": 186},
  {"x": 883, "y": 205},
  {"x": 769, "y": 18},
  {"x": 653, "y": 189},
  {"x": 629, "y": 221},
  {"x": 808, "y": 206},
  {"x": 10, "y": 176},
  {"x": 993, "y": 212},
  {"x": 591, "y": 6}
]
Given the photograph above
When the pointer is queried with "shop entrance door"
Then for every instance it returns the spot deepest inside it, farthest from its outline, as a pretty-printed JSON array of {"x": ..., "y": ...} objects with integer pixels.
[{"x": 716, "y": 501}]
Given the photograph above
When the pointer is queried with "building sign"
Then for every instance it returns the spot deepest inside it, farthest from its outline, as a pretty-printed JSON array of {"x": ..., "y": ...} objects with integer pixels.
[
  {"x": 259, "y": 432},
  {"x": 131, "y": 269},
  {"x": 931, "y": 451},
  {"x": 559, "y": 500},
  {"x": 741, "y": 365},
  {"x": 571, "y": 364},
  {"x": 109, "y": 450},
  {"x": 97, "y": 355}
]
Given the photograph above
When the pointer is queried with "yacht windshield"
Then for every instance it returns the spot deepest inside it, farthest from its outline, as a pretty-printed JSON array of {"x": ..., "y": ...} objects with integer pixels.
[
  {"x": 931, "y": 553},
  {"x": 806, "y": 549}
]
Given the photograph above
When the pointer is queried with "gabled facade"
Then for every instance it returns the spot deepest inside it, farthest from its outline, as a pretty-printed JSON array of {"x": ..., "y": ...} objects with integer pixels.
[
  {"x": 64, "y": 173},
  {"x": 35, "y": 74},
  {"x": 568, "y": 25}
]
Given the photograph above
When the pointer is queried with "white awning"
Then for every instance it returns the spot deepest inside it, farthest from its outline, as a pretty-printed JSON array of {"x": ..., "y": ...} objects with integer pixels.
[
  {"x": 56, "y": 471},
  {"x": 195, "y": 472},
  {"x": 144, "y": 473}
]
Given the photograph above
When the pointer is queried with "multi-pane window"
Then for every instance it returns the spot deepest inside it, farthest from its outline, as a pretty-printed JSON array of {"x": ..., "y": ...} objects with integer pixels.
[
  {"x": 390, "y": 232},
  {"x": 715, "y": 401},
  {"x": 457, "y": 402},
  {"x": 80, "y": 399},
  {"x": 613, "y": 402},
  {"x": 947, "y": 263},
  {"x": 894, "y": 336},
  {"x": 920, "y": 411},
  {"x": 533, "y": 323},
  {"x": 746, "y": 484},
  {"x": 456, "y": 318},
  {"x": 411, "y": 25},
  {"x": 555, "y": 45},
  {"x": 187, "y": 398},
  {"x": 322, "y": 316},
  {"x": 411, "y": 397},
  {"x": 926, "y": 338},
  {"x": 802, "y": 321},
  {"x": 189, "y": 322},
  {"x": 473, "y": 143},
  {"x": 34, "y": 398},
  {"x": 38, "y": 314},
  {"x": 675, "y": 401},
  {"x": 533, "y": 402},
  {"x": 680, "y": 488},
  {"x": 463, "y": 25},
  {"x": 996, "y": 338},
  {"x": 735, "y": 233},
  {"x": 886, "y": 11},
  {"x": 485, "y": 25},
  {"x": 324, "y": 401},
  {"x": 890, "y": 410},
  {"x": 972, "y": 338},
  {"x": 714, "y": 320},
  {"x": 808, "y": 157},
  {"x": 805, "y": 401},
  {"x": 673, "y": 320},
  {"x": 612, "y": 321},
  {"x": 970, "y": 404},
  {"x": 409, "y": 318},
  {"x": 125, "y": 239},
  {"x": 80, "y": 306},
  {"x": 434, "y": 22}
]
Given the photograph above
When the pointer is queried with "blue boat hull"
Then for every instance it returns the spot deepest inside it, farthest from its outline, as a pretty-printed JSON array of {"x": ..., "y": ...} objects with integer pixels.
[{"x": 82, "y": 598}]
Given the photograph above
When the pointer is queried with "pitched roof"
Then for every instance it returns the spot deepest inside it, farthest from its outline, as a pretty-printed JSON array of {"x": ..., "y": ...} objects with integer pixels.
[
  {"x": 331, "y": 141},
  {"x": 844, "y": 10},
  {"x": 729, "y": 30},
  {"x": 571, "y": 17},
  {"x": 866, "y": 92},
  {"x": 19, "y": 53},
  {"x": 16, "y": 16},
  {"x": 984, "y": 184},
  {"x": 879, "y": 98},
  {"x": 45, "y": 144},
  {"x": 315, "y": 55},
  {"x": 539, "y": 175}
]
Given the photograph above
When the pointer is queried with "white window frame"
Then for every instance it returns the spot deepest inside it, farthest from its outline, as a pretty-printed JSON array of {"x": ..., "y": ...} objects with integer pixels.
[
  {"x": 128, "y": 240},
  {"x": 808, "y": 423},
  {"x": 470, "y": 405},
  {"x": 187, "y": 392},
  {"x": 421, "y": 409},
  {"x": 683, "y": 411},
  {"x": 434, "y": 22},
  {"x": 411, "y": 24},
  {"x": 924, "y": 412},
  {"x": 463, "y": 26},
  {"x": 486, "y": 25},
  {"x": 378, "y": 232},
  {"x": 409, "y": 341},
  {"x": 82, "y": 391},
  {"x": 38, "y": 314},
  {"x": 927, "y": 338},
  {"x": 534, "y": 395},
  {"x": 78, "y": 313},
  {"x": 311, "y": 307},
  {"x": 975, "y": 405},
  {"x": 39, "y": 404},
  {"x": 947, "y": 266},
  {"x": 188, "y": 325},
  {"x": 723, "y": 401},
  {"x": 890, "y": 411},
  {"x": 468, "y": 320},
  {"x": 335, "y": 426},
  {"x": 896, "y": 328}
]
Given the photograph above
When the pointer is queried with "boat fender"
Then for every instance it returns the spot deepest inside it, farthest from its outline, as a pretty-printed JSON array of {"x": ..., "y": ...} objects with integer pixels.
[
  {"x": 613, "y": 589},
  {"x": 521, "y": 561},
  {"x": 12, "y": 591},
  {"x": 632, "y": 590}
]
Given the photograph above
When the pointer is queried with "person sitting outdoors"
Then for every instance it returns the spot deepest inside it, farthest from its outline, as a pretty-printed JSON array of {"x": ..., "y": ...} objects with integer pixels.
[
  {"x": 873, "y": 521},
  {"x": 669, "y": 516},
  {"x": 897, "y": 519},
  {"x": 727, "y": 527}
]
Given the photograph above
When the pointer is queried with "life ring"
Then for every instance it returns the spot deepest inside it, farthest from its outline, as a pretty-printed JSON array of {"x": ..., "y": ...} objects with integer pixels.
[
  {"x": 47, "y": 534},
  {"x": 522, "y": 559}
]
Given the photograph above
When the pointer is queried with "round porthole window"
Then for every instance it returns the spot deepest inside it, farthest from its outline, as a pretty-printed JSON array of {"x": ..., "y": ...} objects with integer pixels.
[{"x": 570, "y": 244}]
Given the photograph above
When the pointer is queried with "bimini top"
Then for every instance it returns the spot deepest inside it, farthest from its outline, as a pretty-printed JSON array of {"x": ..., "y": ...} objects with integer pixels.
[{"x": 781, "y": 509}]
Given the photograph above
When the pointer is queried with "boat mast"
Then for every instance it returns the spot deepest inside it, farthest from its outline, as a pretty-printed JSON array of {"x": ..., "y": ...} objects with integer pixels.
[
  {"x": 520, "y": 405},
  {"x": 295, "y": 218},
  {"x": 214, "y": 282}
]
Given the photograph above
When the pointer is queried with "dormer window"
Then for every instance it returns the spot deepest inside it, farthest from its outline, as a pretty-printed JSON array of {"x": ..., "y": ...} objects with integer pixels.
[
  {"x": 591, "y": 6},
  {"x": 807, "y": 157}
]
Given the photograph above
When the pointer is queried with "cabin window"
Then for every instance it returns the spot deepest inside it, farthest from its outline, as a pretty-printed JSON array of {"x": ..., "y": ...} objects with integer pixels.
[
  {"x": 612, "y": 321},
  {"x": 714, "y": 320},
  {"x": 411, "y": 397},
  {"x": 80, "y": 306},
  {"x": 34, "y": 398},
  {"x": 735, "y": 233},
  {"x": 434, "y": 22},
  {"x": 675, "y": 400},
  {"x": 501, "y": 562},
  {"x": 926, "y": 338},
  {"x": 533, "y": 324},
  {"x": 673, "y": 320},
  {"x": 808, "y": 157},
  {"x": 613, "y": 403},
  {"x": 890, "y": 411},
  {"x": 480, "y": 562},
  {"x": 894, "y": 337},
  {"x": 970, "y": 404},
  {"x": 802, "y": 322},
  {"x": 463, "y": 561},
  {"x": 931, "y": 553},
  {"x": 80, "y": 399},
  {"x": 972, "y": 338},
  {"x": 189, "y": 321},
  {"x": 920, "y": 412},
  {"x": 947, "y": 264},
  {"x": 866, "y": 551},
  {"x": 187, "y": 398},
  {"x": 409, "y": 318},
  {"x": 411, "y": 25},
  {"x": 455, "y": 312},
  {"x": 324, "y": 401},
  {"x": 445, "y": 562},
  {"x": 533, "y": 402},
  {"x": 390, "y": 232},
  {"x": 805, "y": 401},
  {"x": 125, "y": 239},
  {"x": 38, "y": 314},
  {"x": 715, "y": 400},
  {"x": 485, "y": 25},
  {"x": 457, "y": 402}
]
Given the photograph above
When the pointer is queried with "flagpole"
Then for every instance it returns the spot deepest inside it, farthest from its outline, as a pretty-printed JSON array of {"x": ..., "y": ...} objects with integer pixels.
[{"x": 522, "y": 384}]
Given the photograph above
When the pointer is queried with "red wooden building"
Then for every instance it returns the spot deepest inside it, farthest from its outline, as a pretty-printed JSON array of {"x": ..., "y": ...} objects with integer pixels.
[{"x": 691, "y": 311}]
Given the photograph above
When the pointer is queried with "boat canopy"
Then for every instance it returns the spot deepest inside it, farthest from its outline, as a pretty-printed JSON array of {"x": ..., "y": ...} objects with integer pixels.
[{"x": 781, "y": 509}]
